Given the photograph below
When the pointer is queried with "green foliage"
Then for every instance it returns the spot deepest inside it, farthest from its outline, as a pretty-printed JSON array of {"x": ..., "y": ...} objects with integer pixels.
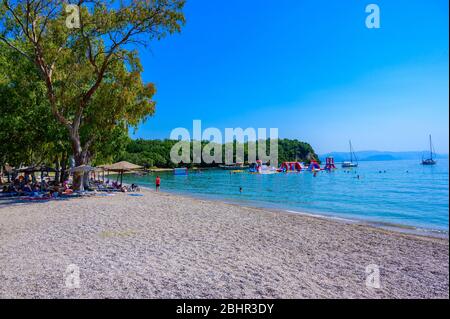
[
  {"x": 29, "y": 133},
  {"x": 91, "y": 74},
  {"x": 156, "y": 153},
  {"x": 76, "y": 90},
  {"x": 149, "y": 153},
  {"x": 295, "y": 150}
]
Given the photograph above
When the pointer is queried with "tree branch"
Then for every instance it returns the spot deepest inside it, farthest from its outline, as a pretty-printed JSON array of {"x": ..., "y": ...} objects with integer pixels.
[{"x": 12, "y": 46}]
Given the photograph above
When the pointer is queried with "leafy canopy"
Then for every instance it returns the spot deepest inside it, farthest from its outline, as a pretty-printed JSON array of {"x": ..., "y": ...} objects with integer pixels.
[{"x": 91, "y": 74}]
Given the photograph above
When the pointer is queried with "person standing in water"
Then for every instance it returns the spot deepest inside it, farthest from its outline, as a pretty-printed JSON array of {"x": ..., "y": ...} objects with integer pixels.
[{"x": 158, "y": 183}]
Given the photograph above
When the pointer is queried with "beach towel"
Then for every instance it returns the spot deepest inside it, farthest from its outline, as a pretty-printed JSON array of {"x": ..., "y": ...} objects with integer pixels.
[
  {"x": 36, "y": 198},
  {"x": 8, "y": 194}
]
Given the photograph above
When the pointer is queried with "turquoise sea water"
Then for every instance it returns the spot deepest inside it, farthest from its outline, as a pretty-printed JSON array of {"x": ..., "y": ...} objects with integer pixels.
[{"x": 406, "y": 194}]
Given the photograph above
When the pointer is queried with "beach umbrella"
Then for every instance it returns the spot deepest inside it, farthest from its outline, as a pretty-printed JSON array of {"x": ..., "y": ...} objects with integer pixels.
[
  {"x": 36, "y": 168},
  {"x": 27, "y": 169},
  {"x": 101, "y": 169},
  {"x": 105, "y": 169},
  {"x": 122, "y": 167}
]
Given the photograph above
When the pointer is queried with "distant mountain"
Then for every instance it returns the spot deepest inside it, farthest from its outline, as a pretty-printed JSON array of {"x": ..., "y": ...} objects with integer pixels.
[{"x": 379, "y": 156}]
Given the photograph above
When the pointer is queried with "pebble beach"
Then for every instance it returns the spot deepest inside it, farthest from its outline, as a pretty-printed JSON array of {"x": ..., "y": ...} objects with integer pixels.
[{"x": 160, "y": 245}]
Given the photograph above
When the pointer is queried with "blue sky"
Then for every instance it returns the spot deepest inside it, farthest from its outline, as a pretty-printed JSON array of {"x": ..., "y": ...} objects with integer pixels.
[{"x": 310, "y": 68}]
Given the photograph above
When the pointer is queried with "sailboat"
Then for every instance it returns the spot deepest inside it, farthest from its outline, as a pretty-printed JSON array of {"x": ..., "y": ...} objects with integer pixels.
[
  {"x": 351, "y": 163},
  {"x": 429, "y": 161}
]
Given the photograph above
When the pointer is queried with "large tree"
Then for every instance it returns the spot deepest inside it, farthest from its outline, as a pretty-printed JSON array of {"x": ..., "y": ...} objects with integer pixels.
[{"x": 87, "y": 61}]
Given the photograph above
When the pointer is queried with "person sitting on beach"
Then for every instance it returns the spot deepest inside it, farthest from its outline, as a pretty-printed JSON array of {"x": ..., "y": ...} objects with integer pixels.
[
  {"x": 66, "y": 185},
  {"x": 27, "y": 188},
  {"x": 54, "y": 193},
  {"x": 36, "y": 190},
  {"x": 68, "y": 191},
  {"x": 58, "y": 189},
  {"x": 12, "y": 188},
  {"x": 116, "y": 185},
  {"x": 20, "y": 183},
  {"x": 157, "y": 183},
  {"x": 44, "y": 184}
]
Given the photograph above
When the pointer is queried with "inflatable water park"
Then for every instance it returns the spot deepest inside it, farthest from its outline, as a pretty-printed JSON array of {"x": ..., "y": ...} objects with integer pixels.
[
  {"x": 260, "y": 168},
  {"x": 292, "y": 167},
  {"x": 265, "y": 168}
]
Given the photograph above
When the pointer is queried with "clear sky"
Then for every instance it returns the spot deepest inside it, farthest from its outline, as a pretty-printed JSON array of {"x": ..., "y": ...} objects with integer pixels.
[{"x": 309, "y": 68}]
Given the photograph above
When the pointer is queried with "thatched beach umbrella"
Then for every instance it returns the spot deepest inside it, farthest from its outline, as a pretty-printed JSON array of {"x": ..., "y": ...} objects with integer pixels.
[
  {"x": 27, "y": 169},
  {"x": 99, "y": 170},
  {"x": 122, "y": 167},
  {"x": 37, "y": 168}
]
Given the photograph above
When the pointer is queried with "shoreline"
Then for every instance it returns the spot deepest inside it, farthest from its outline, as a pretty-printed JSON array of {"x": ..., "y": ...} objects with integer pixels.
[
  {"x": 399, "y": 228},
  {"x": 162, "y": 245},
  {"x": 390, "y": 228},
  {"x": 371, "y": 225}
]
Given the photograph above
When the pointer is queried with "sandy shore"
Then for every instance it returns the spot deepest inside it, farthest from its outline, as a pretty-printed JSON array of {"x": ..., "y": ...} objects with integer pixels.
[{"x": 166, "y": 246}]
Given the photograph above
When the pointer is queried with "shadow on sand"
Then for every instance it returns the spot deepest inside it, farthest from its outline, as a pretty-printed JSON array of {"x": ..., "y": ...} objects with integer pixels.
[{"x": 6, "y": 201}]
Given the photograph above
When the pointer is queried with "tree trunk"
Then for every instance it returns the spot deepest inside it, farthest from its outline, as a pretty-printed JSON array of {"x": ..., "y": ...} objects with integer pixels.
[
  {"x": 57, "y": 167},
  {"x": 86, "y": 180},
  {"x": 64, "y": 176},
  {"x": 79, "y": 157}
]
